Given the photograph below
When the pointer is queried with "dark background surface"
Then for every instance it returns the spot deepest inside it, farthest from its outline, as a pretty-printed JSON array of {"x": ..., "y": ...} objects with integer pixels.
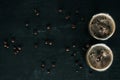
[{"x": 26, "y": 65}]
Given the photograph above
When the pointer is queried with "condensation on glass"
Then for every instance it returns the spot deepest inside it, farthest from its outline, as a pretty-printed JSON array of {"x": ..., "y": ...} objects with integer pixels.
[
  {"x": 99, "y": 57},
  {"x": 101, "y": 26}
]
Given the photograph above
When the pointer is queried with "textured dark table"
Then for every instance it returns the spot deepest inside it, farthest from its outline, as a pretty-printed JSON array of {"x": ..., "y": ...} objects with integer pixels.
[{"x": 15, "y": 15}]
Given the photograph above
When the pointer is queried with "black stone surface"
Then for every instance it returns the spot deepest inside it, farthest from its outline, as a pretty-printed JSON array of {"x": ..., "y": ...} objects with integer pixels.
[{"x": 46, "y": 31}]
